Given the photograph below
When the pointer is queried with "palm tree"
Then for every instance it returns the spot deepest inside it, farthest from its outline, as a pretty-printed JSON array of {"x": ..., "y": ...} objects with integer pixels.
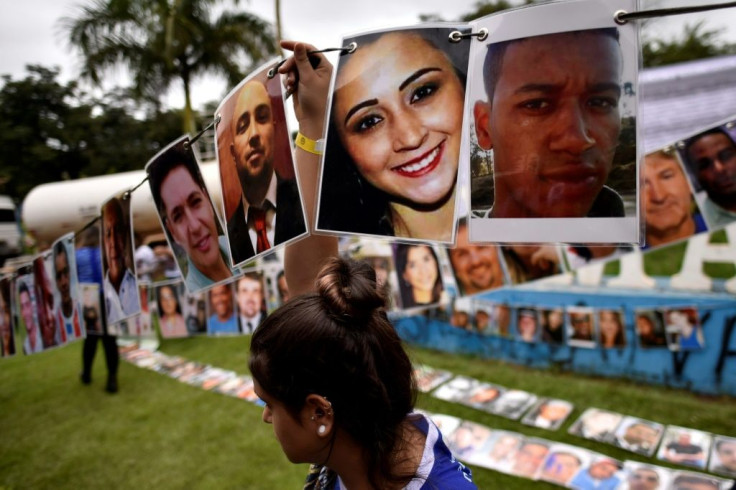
[{"x": 163, "y": 41}]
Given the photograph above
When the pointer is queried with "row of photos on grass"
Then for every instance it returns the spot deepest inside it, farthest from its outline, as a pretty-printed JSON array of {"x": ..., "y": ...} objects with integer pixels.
[
  {"x": 566, "y": 465},
  {"x": 520, "y": 455},
  {"x": 677, "y": 445}
]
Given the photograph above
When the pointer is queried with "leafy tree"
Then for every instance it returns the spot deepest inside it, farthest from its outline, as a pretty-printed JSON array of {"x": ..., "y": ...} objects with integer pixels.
[
  {"x": 51, "y": 132},
  {"x": 33, "y": 112},
  {"x": 487, "y": 7},
  {"x": 696, "y": 43},
  {"x": 163, "y": 41},
  {"x": 481, "y": 9}
]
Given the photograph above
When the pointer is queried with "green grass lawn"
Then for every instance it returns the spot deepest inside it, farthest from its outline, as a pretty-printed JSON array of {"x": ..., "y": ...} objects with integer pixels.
[{"x": 160, "y": 433}]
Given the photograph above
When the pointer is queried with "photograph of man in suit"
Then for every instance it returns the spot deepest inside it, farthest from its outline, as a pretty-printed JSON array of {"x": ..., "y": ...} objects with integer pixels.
[{"x": 269, "y": 211}]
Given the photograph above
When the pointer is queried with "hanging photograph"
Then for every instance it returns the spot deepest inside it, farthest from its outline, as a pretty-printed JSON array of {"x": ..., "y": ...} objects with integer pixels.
[
  {"x": 194, "y": 309},
  {"x": 552, "y": 116},
  {"x": 527, "y": 324},
  {"x": 68, "y": 313},
  {"x": 171, "y": 321},
  {"x": 25, "y": 299},
  {"x": 419, "y": 276},
  {"x": 580, "y": 331},
  {"x": 120, "y": 286},
  {"x": 670, "y": 211},
  {"x": 610, "y": 328},
  {"x": 710, "y": 160},
  {"x": 394, "y": 134},
  {"x": 650, "y": 328},
  {"x": 262, "y": 205},
  {"x": 526, "y": 263},
  {"x": 250, "y": 295},
  {"x": 683, "y": 329},
  {"x": 91, "y": 308},
  {"x": 553, "y": 325},
  {"x": 188, "y": 217},
  {"x": 477, "y": 268},
  {"x": 482, "y": 317},
  {"x": 222, "y": 316},
  {"x": 50, "y": 331},
  {"x": 7, "y": 331}
]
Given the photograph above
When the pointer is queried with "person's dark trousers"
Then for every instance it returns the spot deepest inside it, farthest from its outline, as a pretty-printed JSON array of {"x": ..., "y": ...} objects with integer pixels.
[{"x": 112, "y": 358}]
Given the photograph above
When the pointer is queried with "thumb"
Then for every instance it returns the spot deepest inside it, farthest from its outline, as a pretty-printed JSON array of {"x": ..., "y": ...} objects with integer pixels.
[{"x": 302, "y": 59}]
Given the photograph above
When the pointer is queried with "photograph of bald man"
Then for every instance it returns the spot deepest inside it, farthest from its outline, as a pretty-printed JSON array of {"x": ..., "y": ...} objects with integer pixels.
[{"x": 253, "y": 147}]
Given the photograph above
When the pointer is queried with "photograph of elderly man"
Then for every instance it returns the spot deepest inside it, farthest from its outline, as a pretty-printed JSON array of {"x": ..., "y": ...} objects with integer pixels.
[
  {"x": 119, "y": 285},
  {"x": 670, "y": 211}
]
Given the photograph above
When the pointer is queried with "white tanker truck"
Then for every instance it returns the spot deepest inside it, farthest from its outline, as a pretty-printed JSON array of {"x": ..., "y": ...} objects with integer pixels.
[{"x": 51, "y": 210}]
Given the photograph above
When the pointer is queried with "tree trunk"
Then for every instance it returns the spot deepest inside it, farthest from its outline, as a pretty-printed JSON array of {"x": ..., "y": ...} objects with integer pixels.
[
  {"x": 188, "y": 119},
  {"x": 278, "y": 20}
]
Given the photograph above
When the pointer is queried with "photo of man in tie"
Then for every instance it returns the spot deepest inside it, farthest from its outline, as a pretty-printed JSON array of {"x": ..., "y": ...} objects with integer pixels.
[{"x": 253, "y": 147}]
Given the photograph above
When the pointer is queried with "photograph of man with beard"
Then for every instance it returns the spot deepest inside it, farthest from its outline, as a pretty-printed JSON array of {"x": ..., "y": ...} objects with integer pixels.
[
  {"x": 261, "y": 199},
  {"x": 711, "y": 159},
  {"x": 477, "y": 268}
]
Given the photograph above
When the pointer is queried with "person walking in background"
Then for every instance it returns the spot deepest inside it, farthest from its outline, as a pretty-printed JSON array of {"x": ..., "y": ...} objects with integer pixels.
[{"x": 89, "y": 270}]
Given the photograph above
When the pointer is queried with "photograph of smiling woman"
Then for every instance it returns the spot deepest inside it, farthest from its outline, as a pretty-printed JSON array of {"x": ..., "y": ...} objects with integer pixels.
[
  {"x": 394, "y": 135},
  {"x": 188, "y": 217}
]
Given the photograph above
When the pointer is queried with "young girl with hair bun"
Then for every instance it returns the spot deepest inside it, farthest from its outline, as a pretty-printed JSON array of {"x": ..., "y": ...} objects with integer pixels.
[{"x": 337, "y": 383}]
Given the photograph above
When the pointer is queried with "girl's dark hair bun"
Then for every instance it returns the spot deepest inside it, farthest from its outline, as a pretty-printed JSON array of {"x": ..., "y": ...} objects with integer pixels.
[{"x": 349, "y": 289}]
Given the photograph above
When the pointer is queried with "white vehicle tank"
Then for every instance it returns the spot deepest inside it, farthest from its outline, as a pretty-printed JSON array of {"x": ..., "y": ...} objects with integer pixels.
[{"x": 51, "y": 210}]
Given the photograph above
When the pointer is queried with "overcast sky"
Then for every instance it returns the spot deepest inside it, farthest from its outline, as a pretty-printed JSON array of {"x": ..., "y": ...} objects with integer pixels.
[{"x": 30, "y": 30}]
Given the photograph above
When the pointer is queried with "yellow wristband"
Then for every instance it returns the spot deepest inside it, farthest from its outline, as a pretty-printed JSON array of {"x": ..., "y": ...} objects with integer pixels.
[{"x": 309, "y": 145}]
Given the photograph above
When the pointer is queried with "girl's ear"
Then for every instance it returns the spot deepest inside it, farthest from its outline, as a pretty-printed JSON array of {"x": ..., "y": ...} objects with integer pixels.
[{"x": 319, "y": 415}]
